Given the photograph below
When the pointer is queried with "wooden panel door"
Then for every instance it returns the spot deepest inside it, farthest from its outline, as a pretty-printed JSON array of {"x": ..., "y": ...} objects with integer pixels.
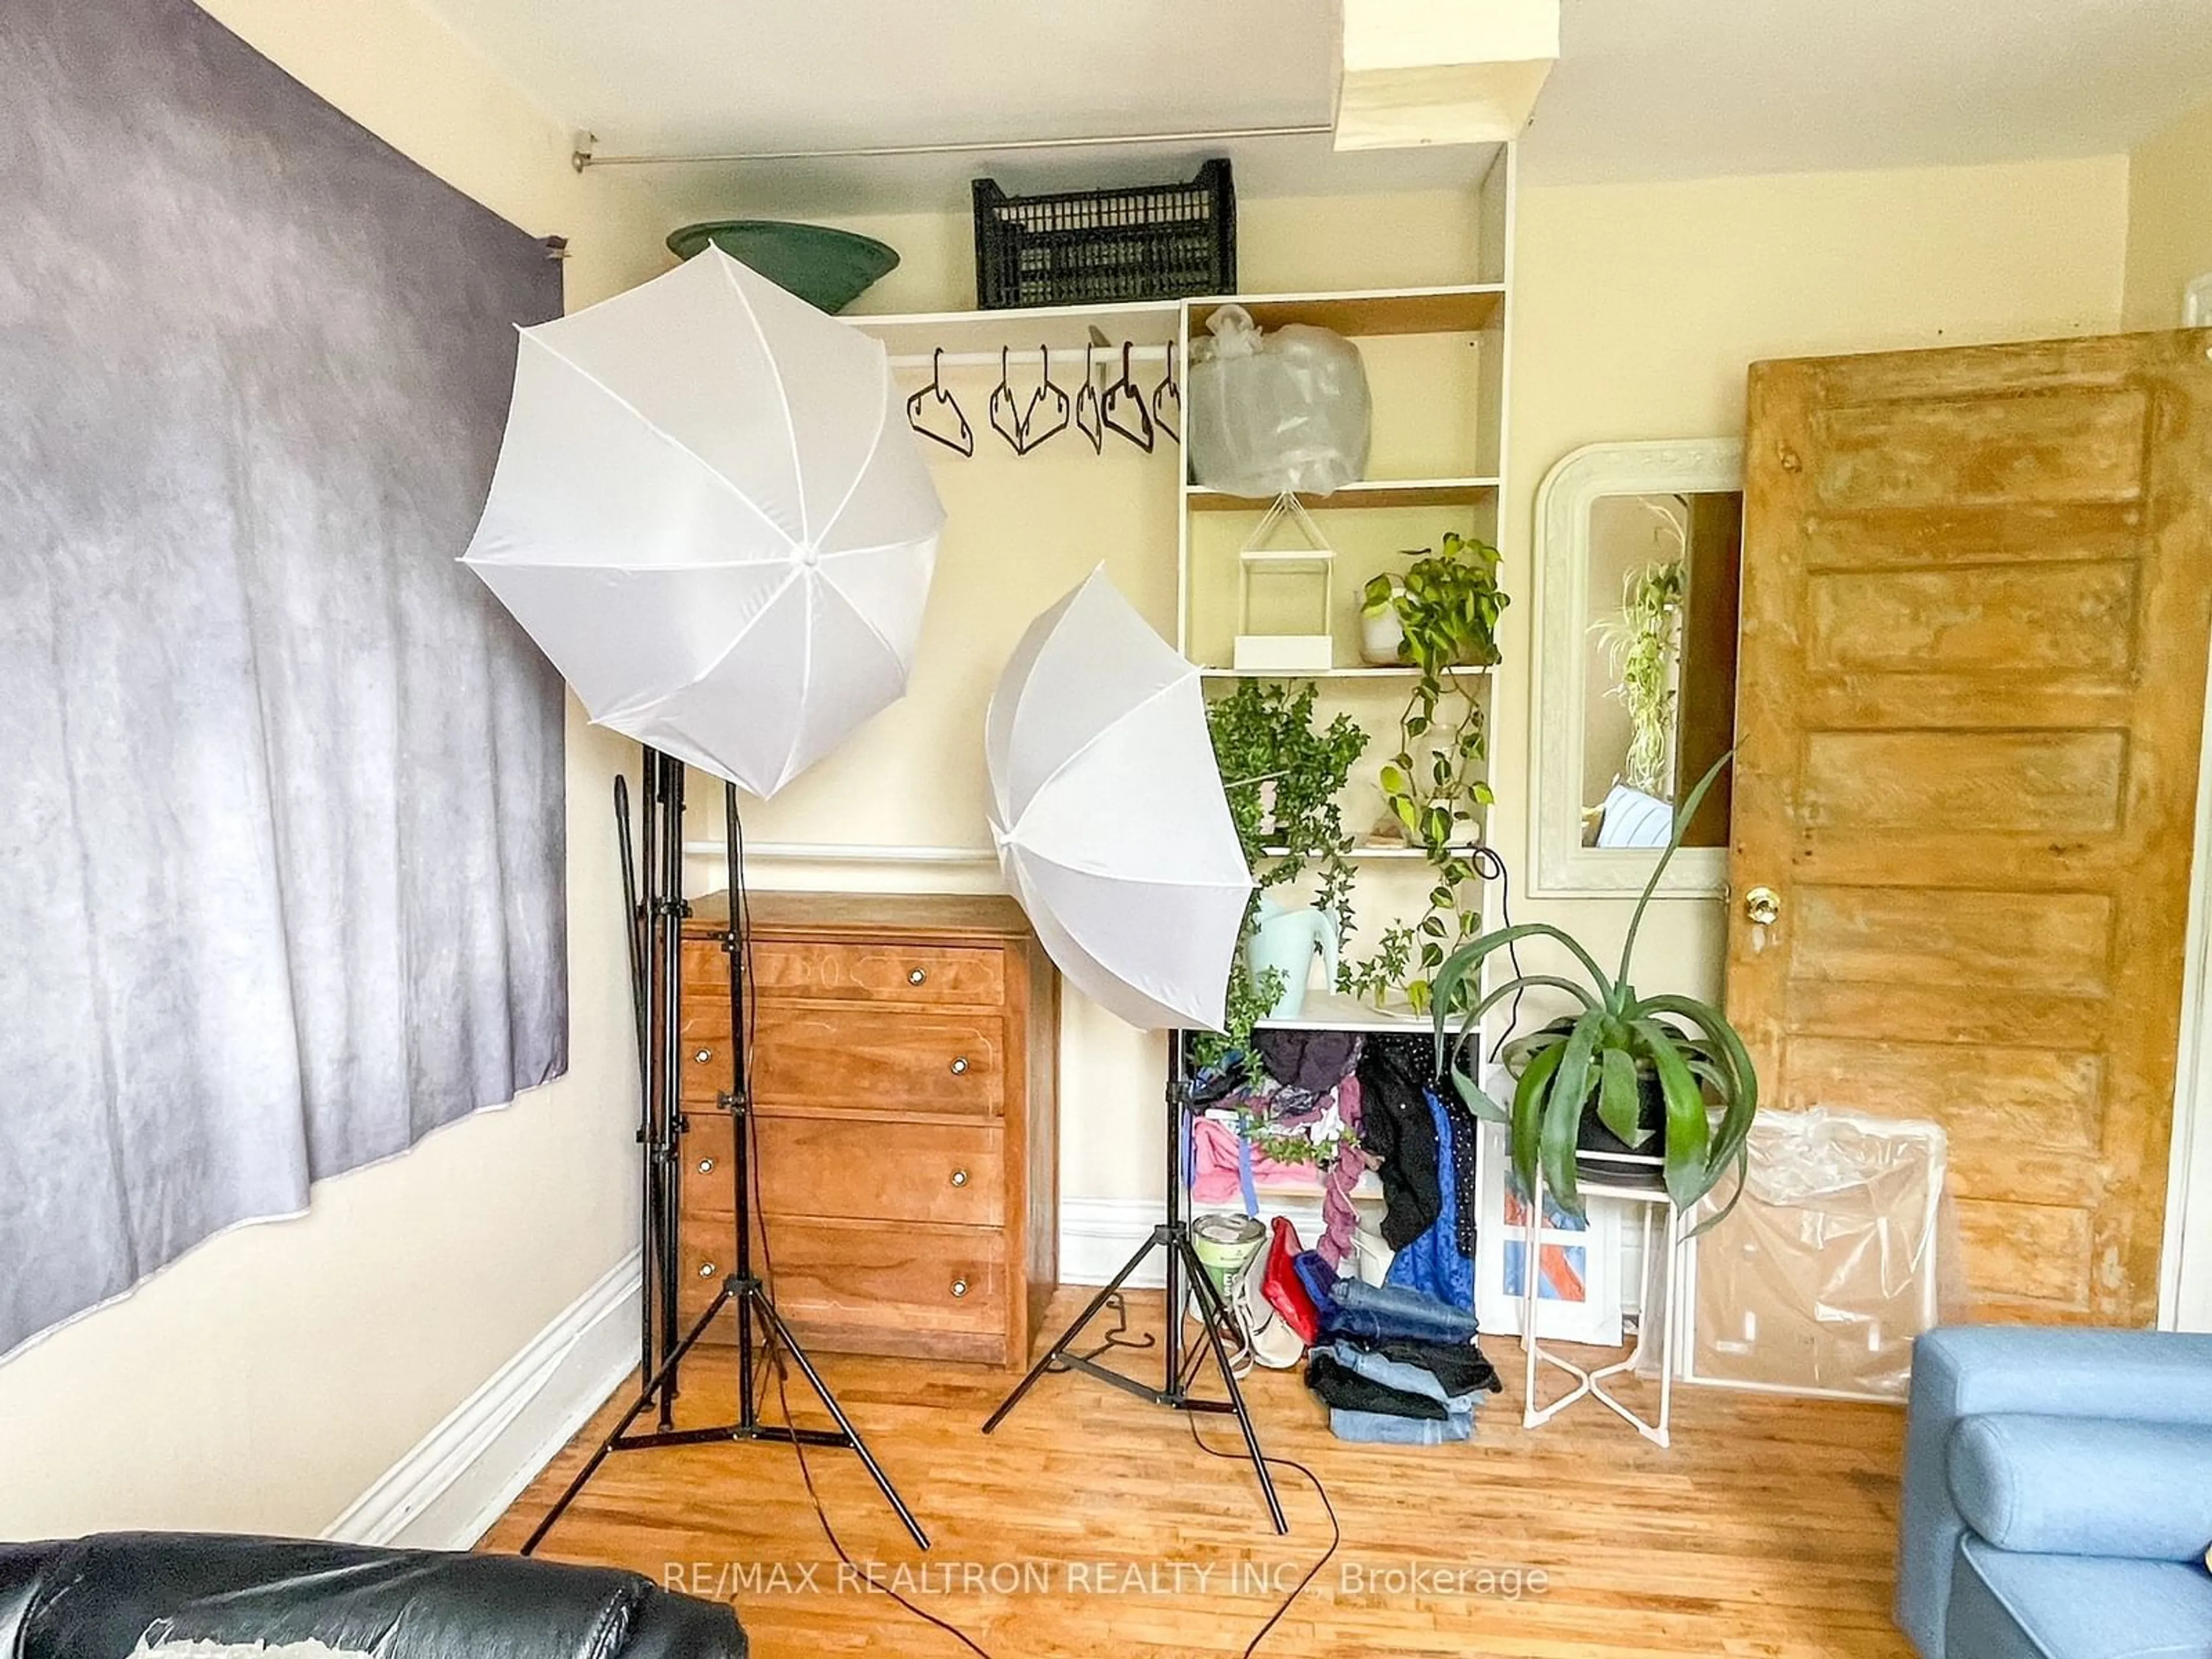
[{"x": 1977, "y": 592}]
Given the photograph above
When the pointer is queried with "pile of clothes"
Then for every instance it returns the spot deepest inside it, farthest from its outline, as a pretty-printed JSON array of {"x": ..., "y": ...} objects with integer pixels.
[
  {"x": 1393, "y": 1365},
  {"x": 1384, "y": 1323}
]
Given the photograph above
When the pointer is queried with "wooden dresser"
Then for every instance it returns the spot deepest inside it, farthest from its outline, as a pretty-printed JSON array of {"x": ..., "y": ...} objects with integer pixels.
[{"x": 904, "y": 1069}]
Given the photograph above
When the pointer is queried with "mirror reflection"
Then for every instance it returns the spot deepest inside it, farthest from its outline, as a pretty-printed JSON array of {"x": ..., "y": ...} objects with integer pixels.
[{"x": 1658, "y": 663}]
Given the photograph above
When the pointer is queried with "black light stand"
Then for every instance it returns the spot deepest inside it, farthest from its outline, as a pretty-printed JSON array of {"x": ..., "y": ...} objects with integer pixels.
[
  {"x": 655, "y": 924},
  {"x": 1172, "y": 1235}
]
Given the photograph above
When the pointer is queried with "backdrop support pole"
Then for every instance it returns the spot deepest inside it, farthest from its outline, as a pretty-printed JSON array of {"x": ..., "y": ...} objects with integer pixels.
[
  {"x": 658, "y": 913},
  {"x": 1183, "y": 1268}
]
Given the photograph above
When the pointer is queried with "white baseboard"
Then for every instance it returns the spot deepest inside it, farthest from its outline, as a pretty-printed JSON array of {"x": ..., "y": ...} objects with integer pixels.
[
  {"x": 1097, "y": 1235},
  {"x": 448, "y": 1491}
]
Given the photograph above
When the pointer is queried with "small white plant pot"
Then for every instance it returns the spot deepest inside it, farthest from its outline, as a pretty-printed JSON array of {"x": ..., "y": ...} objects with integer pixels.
[{"x": 1382, "y": 635}]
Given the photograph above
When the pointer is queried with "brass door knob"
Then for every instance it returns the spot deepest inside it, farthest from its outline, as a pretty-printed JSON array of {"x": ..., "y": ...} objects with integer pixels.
[
  {"x": 959, "y": 1287},
  {"x": 916, "y": 975},
  {"x": 703, "y": 1056},
  {"x": 960, "y": 1177},
  {"x": 1763, "y": 905},
  {"x": 706, "y": 1270},
  {"x": 706, "y": 1166},
  {"x": 960, "y": 1065}
]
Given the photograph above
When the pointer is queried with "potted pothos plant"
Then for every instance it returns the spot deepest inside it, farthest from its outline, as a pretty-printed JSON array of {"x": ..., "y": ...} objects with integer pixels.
[
  {"x": 1599, "y": 1061},
  {"x": 1282, "y": 773},
  {"x": 1436, "y": 785}
]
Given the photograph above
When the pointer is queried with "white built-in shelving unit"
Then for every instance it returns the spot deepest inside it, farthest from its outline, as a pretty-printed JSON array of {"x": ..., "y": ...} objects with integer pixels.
[{"x": 1438, "y": 371}]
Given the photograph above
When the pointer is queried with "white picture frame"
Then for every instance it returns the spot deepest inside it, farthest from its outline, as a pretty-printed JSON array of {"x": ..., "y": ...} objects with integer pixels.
[{"x": 1581, "y": 1304}]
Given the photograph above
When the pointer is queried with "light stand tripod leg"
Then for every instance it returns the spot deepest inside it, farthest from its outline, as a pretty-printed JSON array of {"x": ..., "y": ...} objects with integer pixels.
[
  {"x": 851, "y": 1435},
  {"x": 614, "y": 1441},
  {"x": 1213, "y": 1312},
  {"x": 1054, "y": 1357},
  {"x": 1183, "y": 1268},
  {"x": 657, "y": 911}
]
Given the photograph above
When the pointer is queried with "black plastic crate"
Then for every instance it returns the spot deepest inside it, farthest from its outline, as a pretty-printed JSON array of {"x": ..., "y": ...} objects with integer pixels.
[{"x": 1096, "y": 246}]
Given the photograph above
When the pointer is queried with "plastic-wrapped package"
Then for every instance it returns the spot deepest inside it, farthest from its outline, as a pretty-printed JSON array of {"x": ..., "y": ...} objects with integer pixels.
[
  {"x": 1272, "y": 412},
  {"x": 1832, "y": 1262}
]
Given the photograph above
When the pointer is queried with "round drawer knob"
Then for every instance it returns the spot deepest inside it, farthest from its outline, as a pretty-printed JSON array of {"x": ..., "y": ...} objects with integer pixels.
[
  {"x": 960, "y": 1065},
  {"x": 959, "y": 1287},
  {"x": 916, "y": 975},
  {"x": 703, "y": 1056},
  {"x": 706, "y": 1270},
  {"x": 960, "y": 1177},
  {"x": 706, "y": 1166}
]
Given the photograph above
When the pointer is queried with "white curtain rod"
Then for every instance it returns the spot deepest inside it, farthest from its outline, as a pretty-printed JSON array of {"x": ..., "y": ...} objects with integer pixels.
[
  {"x": 586, "y": 156},
  {"x": 801, "y": 852}
]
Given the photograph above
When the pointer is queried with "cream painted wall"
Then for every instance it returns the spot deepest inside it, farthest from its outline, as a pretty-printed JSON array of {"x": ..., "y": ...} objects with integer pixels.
[
  {"x": 266, "y": 1380},
  {"x": 2169, "y": 219},
  {"x": 1638, "y": 310}
]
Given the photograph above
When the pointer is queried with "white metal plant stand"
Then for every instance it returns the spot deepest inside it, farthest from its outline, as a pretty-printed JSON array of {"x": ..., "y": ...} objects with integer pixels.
[{"x": 1663, "y": 1220}]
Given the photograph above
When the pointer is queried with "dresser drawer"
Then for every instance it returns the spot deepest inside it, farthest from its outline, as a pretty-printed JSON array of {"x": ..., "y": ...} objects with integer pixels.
[
  {"x": 853, "y": 970},
  {"x": 922, "y": 975},
  {"x": 861, "y": 1169},
  {"x": 870, "y": 1289},
  {"x": 867, "y": 1056},
  {"x": 870, "y": 1056},
  {"x": 854, "y": 1168},
  {"x": 708, "y": 1174}
]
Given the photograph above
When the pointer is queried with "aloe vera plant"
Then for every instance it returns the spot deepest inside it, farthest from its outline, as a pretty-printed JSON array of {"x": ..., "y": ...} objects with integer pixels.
[{"x": 1616, "y": 1039}]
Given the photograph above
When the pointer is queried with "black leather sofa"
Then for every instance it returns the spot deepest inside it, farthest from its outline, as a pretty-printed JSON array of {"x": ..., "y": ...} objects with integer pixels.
[{"x": 101, "y": 1597}]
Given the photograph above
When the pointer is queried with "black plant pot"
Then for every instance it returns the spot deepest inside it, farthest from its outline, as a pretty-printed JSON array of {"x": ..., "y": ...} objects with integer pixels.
[{"x": 1650, "y": 1115}]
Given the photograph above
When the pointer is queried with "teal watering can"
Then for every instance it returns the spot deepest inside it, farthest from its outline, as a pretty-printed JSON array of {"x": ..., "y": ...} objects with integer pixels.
[{"x": 1285, "y": 940}]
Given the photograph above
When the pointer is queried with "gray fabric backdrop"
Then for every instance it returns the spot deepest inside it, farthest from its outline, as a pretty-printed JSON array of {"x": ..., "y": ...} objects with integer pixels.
[{"x": 281, "y": 789}]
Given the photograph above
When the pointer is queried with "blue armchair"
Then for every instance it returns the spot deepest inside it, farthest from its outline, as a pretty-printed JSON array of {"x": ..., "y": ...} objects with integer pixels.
[{"x": 2057, "y": 1495}]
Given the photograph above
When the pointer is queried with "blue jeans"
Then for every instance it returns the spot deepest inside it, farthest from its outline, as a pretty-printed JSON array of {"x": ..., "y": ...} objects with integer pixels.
[
  {"x": 1380, "y": 1429},
  {"x": 1377, "y": 1312},
  {"x": 1393, "y": 1373}
]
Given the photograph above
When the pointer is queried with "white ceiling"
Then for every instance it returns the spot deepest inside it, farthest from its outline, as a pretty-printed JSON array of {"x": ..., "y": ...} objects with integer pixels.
[{"x": 1645, "y": 89}]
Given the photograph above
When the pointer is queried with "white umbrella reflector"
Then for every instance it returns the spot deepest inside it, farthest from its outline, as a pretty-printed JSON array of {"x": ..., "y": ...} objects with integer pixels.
[
  {"x": 1108, "y": 815},
  {"x": 709, "y": 513}
]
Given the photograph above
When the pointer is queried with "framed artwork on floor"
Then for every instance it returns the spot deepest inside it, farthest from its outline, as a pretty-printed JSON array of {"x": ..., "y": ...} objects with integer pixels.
[{"x": 1578, "y": 1263}]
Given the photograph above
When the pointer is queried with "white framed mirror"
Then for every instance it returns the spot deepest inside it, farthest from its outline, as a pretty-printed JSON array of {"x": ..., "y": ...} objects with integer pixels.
[{"x": 1639, "y": 557}]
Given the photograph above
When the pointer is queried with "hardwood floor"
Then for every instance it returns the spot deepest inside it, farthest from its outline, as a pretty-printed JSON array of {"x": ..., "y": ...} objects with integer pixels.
[{"x": 1090, "y": 1524}]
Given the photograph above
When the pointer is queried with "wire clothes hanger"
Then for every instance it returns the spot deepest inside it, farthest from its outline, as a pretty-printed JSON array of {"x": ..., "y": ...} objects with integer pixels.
[
  {"x": 1006, "y": 412},
  {"x": 1046, "y": 396},
  {"x": 1090, "y": 421},
  {"x": 1126, "y": 394},
  {"x": 934, "y": 393},
  {"x": 1167, "y": 395}
]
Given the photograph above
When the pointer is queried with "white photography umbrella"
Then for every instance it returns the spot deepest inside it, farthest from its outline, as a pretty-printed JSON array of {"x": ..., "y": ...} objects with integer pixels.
[
  {"x": 709, "y": 514},
  {"x": 1109, "y": 814}
]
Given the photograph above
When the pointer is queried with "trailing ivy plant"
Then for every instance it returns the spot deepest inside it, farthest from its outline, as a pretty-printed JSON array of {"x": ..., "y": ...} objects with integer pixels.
[
  {"x": 1601, "y": 1057},
  {"x": 1640, "y": 649},
  {"x": 1282, "y": 775},
  {"x": 1448, "y": 604}
]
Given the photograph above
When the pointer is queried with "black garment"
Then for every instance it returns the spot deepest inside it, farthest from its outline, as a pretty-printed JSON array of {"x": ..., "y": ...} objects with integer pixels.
[
  {"x": 1396, "y": 1124},
  {"x": 1347, "y": 1390},
  {"x": 1464, "y": 1132},
  {"x": 1461, "y": 1367}
]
